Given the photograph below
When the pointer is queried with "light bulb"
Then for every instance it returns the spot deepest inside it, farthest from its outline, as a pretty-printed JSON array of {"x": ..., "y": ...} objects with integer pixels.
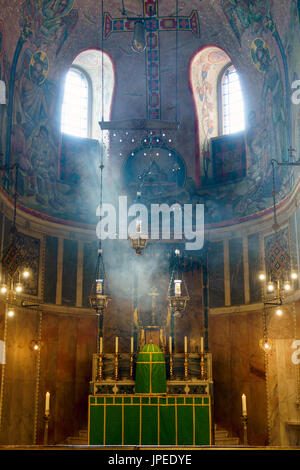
[
  {"x": 279, "y": 312},
  {"x": 26, "y": 273},
  {"x": 270, "y": 287},
  {"x": 287, "y": 286},
  {"x": 266, "y": 345},
  {"x": 10, "y": 313},
  {"x": 19, "y": 287},
  {"x": 294, "y": 275},
  {"x": 261, "y": 276},
  {"x": 36, "y": 347},
  {"x": 3, "y": 289}
]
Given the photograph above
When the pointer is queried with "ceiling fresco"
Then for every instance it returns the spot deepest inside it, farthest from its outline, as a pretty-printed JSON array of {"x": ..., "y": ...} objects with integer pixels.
[{"x": 40, "y": 39}]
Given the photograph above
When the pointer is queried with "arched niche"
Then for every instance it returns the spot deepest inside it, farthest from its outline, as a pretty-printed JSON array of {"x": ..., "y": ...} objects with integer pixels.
[{"x": 205, "y": 69}]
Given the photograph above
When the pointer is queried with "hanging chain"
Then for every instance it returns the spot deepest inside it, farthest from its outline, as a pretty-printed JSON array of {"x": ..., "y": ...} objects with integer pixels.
[
  {"x": 38, "y": 375},
  {"x": 3, "y": 367}
]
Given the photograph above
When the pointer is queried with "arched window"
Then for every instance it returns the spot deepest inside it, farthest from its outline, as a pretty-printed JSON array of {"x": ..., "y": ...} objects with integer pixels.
[
  {"x": 76, "y": 104},
  {"x": 88, "y": 93},
  {"x": 232, "y": 103}
]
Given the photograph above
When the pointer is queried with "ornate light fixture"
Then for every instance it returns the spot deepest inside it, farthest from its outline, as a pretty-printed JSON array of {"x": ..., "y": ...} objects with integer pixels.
[
  {"x": 98, "y": 298},
  {"x": 265, "y": 343},
  {"x": 178, "y": 295},
  {"x": 139, "y": 240},
  {"x": 15, "y": 261},
  {"x": 139, "y": 37},
  {"x": 278, "y": 280}
]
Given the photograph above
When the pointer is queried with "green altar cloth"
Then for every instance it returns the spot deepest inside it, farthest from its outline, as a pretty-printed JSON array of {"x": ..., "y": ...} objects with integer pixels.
[
  {"x": 150, "y": 420},
  {"x": 150, "y": 377}
]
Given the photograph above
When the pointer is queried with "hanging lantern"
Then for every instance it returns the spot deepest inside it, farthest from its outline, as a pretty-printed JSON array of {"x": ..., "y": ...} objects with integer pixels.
[
  {"x": 139, "y": 39},
  {"x": 98, "y": 299},
  {"x": 139, "y": 240},
  {"x": 178, "y": 294}
]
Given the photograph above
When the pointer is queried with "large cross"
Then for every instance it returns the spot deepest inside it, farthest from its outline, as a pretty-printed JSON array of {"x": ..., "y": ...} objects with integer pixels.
[{"x": 153, "y": 25}]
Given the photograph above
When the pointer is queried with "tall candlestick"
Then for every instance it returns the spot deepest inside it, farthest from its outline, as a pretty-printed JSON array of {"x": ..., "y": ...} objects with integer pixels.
[
  {"x": 244, "y": 405},
  {"x": 170, "y": 344},
  {"x": 47, "y": 403},
  {"x": 117, "y": 344},
  {"x": 101, "y": 344},
  {"x": 201, "y": 345},
  {"x": 185, "y": 344},
  {"x": 131, "y": 344}
]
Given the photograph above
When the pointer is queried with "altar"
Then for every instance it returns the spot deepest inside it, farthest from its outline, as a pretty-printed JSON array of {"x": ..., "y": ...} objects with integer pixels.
[{"x": 151, "y": 410}]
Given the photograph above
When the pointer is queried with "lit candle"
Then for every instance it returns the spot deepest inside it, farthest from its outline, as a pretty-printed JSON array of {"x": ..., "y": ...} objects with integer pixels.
[
  {"x": 244, "y": 405},
  {"x": 117, "y": 344},
  {"x": 202, "y": 345},
  {"x": 177, "y": 287},
  {"x": 47, "y": 403},
  {"x": 101, "y": 344},
  {"x": 170, "y": 344},
  {"x": 185, "y": 344},
  {"x": 131, "y": 344},
  {"x": 99, "y": 286}
]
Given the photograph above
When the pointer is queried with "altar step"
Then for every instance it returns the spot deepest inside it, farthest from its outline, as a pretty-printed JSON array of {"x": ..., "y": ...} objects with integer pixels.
[
  {"x": 222, "y": 438},
  {"x": 80, "y": 440}
]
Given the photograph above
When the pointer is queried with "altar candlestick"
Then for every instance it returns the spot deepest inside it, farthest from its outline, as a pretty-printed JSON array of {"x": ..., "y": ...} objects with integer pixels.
[
  {"x": 244, "y": 405},
  {"x": 117, "y": 344},
  {"x": 185, "y": 344},
  {"x": 131, "y": 344},
  {"x": 47, "y": 403},
  {"x": 170, "y": 344},
  {"x": 202, "y": 345},
  {"x": 101, "y": 344}
]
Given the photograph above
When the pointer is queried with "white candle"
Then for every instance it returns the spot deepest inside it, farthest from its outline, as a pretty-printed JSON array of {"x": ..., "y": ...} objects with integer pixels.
[
  {"x": 101, "y": 344},
  {"x": 202, "y": 345},
  {"x": 131, "y": 344},
  {"x": 117, "y": 344},
  {"x": 170, "y": 344},
  {"x": 244, "y": 405},
  {"x": 177, "y": 287},
  {"x": 185, "y": 344},
  {"x": 47, "y": 403}
]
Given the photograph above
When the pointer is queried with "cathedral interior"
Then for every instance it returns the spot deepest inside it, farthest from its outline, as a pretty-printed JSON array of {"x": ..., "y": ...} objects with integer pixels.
[{"x": 149, "y": 231}]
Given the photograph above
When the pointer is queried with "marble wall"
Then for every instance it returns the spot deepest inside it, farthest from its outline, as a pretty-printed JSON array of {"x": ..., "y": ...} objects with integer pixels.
[
  {"x": 238, "y": 367},
  {"x": 63, "y": 367}
]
